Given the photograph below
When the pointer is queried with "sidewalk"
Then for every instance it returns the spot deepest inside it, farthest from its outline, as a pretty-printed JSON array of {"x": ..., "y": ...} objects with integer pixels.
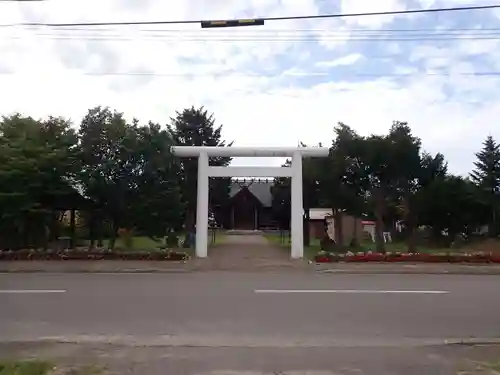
[
  {"x": 95, "y": 266},
  {"x": 416, "y": 268},
  {"x": 201, "y": 265}
]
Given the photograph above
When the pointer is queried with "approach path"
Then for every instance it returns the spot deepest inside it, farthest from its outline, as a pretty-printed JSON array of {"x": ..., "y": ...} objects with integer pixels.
[{"x": 247, "y": 251}]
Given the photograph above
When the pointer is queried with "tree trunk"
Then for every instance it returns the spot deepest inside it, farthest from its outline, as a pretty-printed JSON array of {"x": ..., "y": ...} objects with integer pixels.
[
  {"x": 112, "y": 240},
  {"x": 492, "y": 228},
  {"x": 189, "y": 227},
  {"x": 25, "y": 236},
  {"x": 379, "y": 234},
  {"x": 379, "y": 220},
  {"x": 412, "y": 238},
  {"x": 100, "y": 230},
  {"x": 410, "y": 221},
  {"x": 354, "y": 241},
  {"x": 100, "y": 239},
  {"x": 339, "y": 229},
  {"x": 45, "y": 235},
  {"x": 72, "y": 223},
  {"x": 92, "y": 222}
]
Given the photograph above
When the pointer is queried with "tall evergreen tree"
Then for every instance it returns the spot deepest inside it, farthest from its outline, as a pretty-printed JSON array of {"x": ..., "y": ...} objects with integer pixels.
[
  {"x": 487, "y": 166},
  {"x": 196, "y": 127},
  {"x": 486, "y": 176}
]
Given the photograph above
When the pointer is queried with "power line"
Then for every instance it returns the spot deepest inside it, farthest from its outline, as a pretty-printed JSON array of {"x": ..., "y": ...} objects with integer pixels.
[
  {"x": 269, "y": 36},
  {"x": 153, "y": 32},
  {"x": 298, "y": 39},
  {"x": 278, "y": 74},
  {"x": 271, "y": 40},
  {"x": 283, "y": 18},
  {"x": 260, "y": 31}
]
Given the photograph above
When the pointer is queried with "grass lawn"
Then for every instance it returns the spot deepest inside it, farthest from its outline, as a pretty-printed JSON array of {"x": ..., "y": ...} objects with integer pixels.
[
  {"x": 393, "y": 247},
  {"x": 492, "y": 367},
  {"x": 26, "y": 368},
  {"x": 144, "y": 243},
  {"x": 275, "y": 239},
  {"x": 140, "y": 243},
  {"x": 220, "y": 237}
]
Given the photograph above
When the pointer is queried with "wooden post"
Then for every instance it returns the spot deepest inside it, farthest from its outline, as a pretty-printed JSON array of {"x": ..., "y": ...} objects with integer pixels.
[{"x": 307, "y": 237}]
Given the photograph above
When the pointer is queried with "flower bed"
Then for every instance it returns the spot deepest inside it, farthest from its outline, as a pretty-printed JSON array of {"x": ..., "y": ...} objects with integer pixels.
[
  {"x": 91, "y": 255},
  {"x": 324, "y": 257}
]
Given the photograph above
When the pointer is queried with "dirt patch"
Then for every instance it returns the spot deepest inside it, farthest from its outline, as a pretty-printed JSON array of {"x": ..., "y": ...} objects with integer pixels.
[
  {"x": 80, "y": 370},
  {"x": 107, "y": 359}
]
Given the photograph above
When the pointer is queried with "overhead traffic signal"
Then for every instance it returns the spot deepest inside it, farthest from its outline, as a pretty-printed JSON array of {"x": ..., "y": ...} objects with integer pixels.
[{"x": 232, "y": 23}]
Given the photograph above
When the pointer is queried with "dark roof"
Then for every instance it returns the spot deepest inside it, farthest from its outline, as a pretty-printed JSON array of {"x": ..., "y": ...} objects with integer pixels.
[{"x": 261, "y": 189}]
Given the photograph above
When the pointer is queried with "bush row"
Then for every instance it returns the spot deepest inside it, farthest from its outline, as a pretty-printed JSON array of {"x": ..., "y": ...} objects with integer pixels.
[{"x": 92, "y": 255}]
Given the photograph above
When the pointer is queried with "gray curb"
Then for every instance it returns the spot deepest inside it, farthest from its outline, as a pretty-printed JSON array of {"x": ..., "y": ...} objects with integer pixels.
[
  {"x": 248, "y": 342},
  {"x": 124, "y": 271},
  {"x": 346, "y": 269}
]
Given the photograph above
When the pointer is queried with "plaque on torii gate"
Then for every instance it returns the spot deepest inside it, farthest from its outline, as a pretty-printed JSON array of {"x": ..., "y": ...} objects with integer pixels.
[{"x": 203, "y": 153}]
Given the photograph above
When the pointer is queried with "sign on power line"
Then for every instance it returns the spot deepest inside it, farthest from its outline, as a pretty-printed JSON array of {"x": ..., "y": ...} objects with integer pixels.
[{"x": 232, "y": 23}]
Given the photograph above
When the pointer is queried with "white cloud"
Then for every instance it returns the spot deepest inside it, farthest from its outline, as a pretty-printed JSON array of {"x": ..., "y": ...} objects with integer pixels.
[
  {"x": 344, "y": 60},
  {"x": 363, "y": 6},
  {"x": 220, "y": 69}
]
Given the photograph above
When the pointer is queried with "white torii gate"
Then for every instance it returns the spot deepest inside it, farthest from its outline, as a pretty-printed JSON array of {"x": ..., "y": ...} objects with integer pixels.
[{"x": 205, "y": 171}]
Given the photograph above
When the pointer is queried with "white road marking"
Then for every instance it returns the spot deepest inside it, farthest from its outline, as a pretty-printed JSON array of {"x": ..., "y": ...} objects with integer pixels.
[
  {"x": 350, "y": 291},
  {"x": 31, "y": 291}
]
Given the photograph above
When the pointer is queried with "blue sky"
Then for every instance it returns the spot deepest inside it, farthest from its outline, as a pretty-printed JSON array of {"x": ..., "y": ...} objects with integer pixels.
[{"x": 274, "y": 85}]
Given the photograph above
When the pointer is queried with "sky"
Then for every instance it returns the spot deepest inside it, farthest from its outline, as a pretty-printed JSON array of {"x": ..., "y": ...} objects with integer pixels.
[{"x": 271, "y": 85}]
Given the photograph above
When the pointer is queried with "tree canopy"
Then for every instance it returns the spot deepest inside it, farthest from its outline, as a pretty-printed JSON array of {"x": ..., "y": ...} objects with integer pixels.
[
  {"x": 390, "y": 178},
  {"x": 121, "y": 173}
]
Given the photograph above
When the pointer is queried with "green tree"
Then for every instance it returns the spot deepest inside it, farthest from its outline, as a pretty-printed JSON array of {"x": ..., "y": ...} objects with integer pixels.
[
  {"x": 450, "y": 206},
  {"x": 406, "y": 168},
  {"x": 398, "y": 174},
  {"x": 281, "y": 199},
  {"x": 378, "y": 165},
  {"x": 415, "y": 200},
  {"x": 37, "y": 164},
  {"x": 158, "y": 206},
  {"x": 107, "y": 145},
  {"x": 312, "y": 170},
  {"x": 130, "y": 173},
  {"x": 343, "y": 180},
  {"x": 486, "y": 176},
  {"x": 196, "y": 127}
]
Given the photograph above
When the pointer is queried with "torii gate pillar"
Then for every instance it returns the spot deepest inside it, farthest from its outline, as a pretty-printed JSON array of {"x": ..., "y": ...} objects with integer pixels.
[{"x": 205, "y": 171}]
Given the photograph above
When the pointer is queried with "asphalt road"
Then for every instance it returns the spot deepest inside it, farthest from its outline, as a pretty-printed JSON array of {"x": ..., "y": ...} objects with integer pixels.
[
  {"x": 236, "y": 308},
  {"x": 293, "y": 320}
]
